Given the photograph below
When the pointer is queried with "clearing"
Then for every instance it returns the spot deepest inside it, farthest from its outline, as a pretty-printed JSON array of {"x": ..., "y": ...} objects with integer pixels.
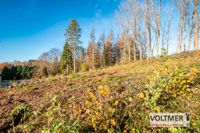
[{"x": 114, "y": 99}]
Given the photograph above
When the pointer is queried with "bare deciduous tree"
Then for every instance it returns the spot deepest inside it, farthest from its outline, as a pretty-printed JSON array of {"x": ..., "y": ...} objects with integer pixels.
[
  {"x": 196, "y": 36},
  {"x": 191, "y": 27},
  {"x": 148, "y": 28},
  {"x": 130, "y": 14},
  {"x": 166, "y": 27},
  {"x": 52, "y": 55},
  {"x": 182, "y": 6},
  {"x": 157, "y": 23}
]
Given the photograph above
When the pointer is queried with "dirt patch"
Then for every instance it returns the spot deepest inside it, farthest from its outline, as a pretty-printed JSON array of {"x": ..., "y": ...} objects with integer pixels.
[{"x": 10, "y": 100}]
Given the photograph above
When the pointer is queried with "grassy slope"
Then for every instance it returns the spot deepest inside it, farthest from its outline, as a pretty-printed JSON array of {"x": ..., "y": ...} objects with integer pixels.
[{"x": 115, "y": 99}]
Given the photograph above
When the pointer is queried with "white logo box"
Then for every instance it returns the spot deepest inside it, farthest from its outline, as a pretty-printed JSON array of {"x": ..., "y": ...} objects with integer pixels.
[{"x": 169, "y": 119}]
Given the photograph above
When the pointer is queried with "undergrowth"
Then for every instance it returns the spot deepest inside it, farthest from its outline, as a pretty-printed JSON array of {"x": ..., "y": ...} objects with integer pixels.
[{"x": 120, "y": 101}]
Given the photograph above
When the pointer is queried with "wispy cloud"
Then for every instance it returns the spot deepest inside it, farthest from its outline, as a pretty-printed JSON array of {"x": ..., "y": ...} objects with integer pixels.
[
  {"x": 100, "y": 5},
  {"x": 98, "y": 13}
]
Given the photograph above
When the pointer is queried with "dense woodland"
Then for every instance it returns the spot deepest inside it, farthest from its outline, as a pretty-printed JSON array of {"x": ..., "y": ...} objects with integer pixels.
[{"x": 145, "y": 33}]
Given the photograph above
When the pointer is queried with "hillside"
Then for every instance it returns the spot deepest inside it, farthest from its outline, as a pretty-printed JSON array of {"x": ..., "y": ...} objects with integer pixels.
[{"x": 114, "y": 99}]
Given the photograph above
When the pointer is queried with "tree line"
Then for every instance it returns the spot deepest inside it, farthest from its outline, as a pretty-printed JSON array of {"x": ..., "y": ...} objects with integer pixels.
[
  {"x": 31, "y": 69},
  {"x": 146, "y": 25},
  {"x": 144, "y": 33},
  {"x": 17, "y": 72},
  {"x": 101, "y": 53}
]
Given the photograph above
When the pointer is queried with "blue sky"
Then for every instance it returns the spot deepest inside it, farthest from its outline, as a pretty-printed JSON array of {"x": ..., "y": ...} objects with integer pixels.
[{"x": 31, "y": 27}]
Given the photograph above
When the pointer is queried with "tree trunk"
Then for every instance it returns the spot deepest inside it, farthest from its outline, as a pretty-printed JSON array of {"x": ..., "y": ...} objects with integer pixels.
[
  {"x": 93, "y": 57},
  {"x": 148, "y": 28},
  {"x": 179, "y": 44},
  {"x": 129, "y": 51},
  {"x": 134, "y": 51},
  {"x": 157, "y": 45},
  {"x": 149, "y": 43},
  {"x": 74, "y": 60},
  {"x": 124, "y": 50},
  {"x": 189, "y": 45},
  {"x": 196, "y": 39},
  {"x": 67, "y": 69},
  {"x": 140, "y": 53},
  {"x": 184, "y": 35},
  {"x": 190, "y": 39}
]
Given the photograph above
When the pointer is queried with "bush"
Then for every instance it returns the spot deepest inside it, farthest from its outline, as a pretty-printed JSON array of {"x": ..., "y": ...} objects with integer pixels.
[
  {"x": 84, "y": 67},
  {"x": 45, "y": 72},
  {"x": 20, "y": 114}
]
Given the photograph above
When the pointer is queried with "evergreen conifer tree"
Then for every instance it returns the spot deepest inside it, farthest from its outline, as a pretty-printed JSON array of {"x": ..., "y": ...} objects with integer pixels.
[
  {"x": 73, "y": 34},
  {"x": 67, "y": 59}
]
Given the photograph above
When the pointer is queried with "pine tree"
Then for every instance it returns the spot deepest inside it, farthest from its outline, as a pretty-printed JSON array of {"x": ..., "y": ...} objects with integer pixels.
[
  {"x": 67, "y": 59},
  {"x": 91, "y": 50},
  {"x": 5, "y": 73},
  {"x": 115, "y": 53},
  {"x": 73, "y": 34},
  {"x": 108, "y": 49},
  {"x": 97, "y": 56},
  {"x": 100, "y": 45},
  {"x": 13, "y": 71},
  {"x": 19, "y": 72},
  {"x": 89, "y": 58}
]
